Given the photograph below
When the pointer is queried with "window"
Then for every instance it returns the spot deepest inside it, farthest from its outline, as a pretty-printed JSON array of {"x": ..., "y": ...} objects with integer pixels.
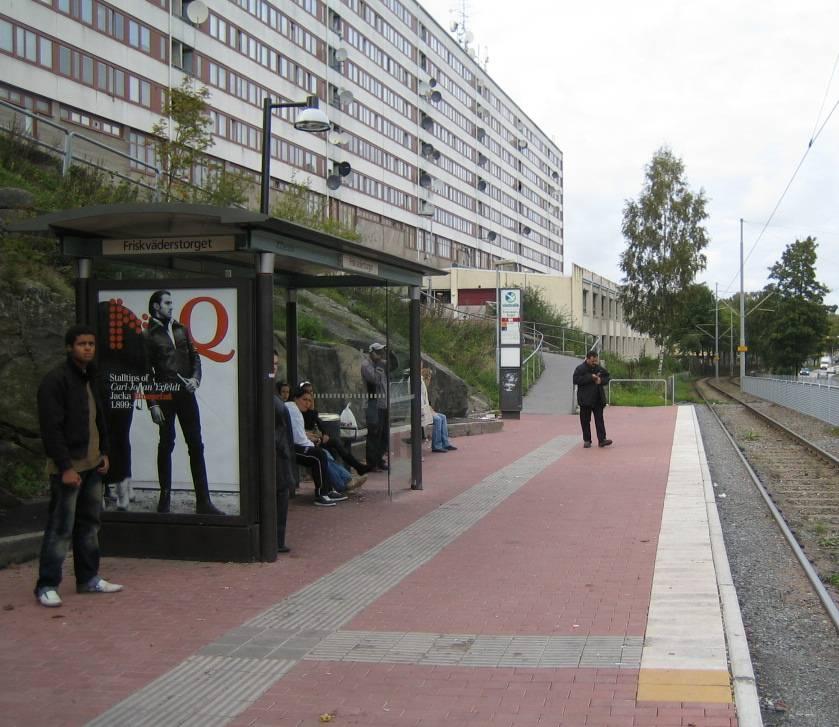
[
  {"x": 45, "y": 56},
  {"x": 6, "y": 37}
]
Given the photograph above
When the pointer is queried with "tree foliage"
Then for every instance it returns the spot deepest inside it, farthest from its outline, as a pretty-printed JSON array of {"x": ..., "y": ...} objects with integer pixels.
[
  {"x": 799, "y": 325},
  {"x": 693, "y": 322},
  {"x": 183, "y": 136},
  {"x": 665, "y": 238}
]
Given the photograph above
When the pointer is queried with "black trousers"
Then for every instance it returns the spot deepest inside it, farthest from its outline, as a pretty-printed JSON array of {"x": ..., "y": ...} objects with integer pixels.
[
  {"x": 599, "y": 424},
  {"x": 183, "y": 406},
  {"x": 315, "y": 459}
]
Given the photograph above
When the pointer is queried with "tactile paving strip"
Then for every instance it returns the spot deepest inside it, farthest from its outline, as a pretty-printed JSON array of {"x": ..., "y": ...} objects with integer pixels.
[
  {"x": 277, "y": 639},
  {"x": 481, "y": 650}
]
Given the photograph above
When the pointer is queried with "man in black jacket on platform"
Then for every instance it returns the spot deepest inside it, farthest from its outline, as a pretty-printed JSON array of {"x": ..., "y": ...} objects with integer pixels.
[{"x": 590, "y": 379}]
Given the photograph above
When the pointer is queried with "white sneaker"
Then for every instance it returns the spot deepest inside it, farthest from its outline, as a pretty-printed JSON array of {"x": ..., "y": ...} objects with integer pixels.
[
  {"x": 49, "y": 597},
  {"x": 122, "y": 495},
  {"x": 99, "y": 585}
]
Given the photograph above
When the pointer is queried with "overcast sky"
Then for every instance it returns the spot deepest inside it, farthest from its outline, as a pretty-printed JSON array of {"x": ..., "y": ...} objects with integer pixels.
[{"x": 735, "y": 88}]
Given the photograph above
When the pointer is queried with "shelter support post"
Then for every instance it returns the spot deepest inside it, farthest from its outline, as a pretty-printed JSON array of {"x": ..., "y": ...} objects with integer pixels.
[
  {"x": 84, "y": 267},
  {"x": 292, "y": 360},
  {"x": 414, "y": 353},
  {"x": 264, "y": 354}
]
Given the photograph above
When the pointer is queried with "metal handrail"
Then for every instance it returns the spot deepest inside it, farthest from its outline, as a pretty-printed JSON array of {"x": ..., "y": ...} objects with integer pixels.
[
  {"x": 663, "y": 381},
  {"x": 67, "y": 151}
]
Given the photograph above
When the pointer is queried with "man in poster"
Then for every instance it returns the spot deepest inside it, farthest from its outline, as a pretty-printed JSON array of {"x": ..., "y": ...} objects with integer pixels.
[{"x": 175, "y": 375}]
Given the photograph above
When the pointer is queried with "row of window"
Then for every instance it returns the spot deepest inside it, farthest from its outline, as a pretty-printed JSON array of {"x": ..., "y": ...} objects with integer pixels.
[
  {"x": 361, "y": 78},
  {"x": 264, "y": 55},
  {"x": 442, "y": 78},
  {"x": 269, "y": 15},
  {"x": 369, "y": 49},
  {"x": 66, "y": 61},
  {"x": 379, "y": 190},
  {"x": 385, "y": 29},
  {"x": 372, "y": 153}
]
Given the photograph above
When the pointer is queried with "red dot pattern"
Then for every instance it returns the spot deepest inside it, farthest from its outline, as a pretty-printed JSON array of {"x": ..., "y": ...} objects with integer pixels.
[{"x": 120, "y": 320}]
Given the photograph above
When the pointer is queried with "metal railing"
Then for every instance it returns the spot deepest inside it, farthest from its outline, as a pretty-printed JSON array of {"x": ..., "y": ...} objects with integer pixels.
[
  {"x": 635, "y": 381},
  {"x": 65, "y": 148},
  {"x": 533, "y": 364},
  {"x": 816, "y": 399}
]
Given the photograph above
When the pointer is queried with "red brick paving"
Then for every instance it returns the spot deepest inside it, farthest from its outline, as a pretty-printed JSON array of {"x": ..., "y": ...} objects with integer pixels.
[{"x": 571, "y": 552}]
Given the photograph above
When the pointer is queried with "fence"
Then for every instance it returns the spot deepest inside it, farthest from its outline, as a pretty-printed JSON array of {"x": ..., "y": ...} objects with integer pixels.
[
  {"x": 815, "y": 399},
  {"x": 668, "y": 385}
]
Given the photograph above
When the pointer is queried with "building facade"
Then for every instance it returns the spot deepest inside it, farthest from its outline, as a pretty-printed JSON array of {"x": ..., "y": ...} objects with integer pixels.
[
  {"x": 446, "y": 167},
  {"x": 588, "y": 300}
]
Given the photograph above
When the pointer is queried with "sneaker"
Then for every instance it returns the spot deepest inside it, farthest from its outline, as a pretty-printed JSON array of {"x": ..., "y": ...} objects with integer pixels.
[
  {"x": 336, "y": 496},
  {"x": 99, "y": 585},
  {"x": 604, "y": 443},
  {"x": 451, "y": 447},
  {"x": 586, "y": 445},
  {"x": 323, "y": 501},
  {"x": 49, "y": 597},
  {"x": 357, "y": 482}
]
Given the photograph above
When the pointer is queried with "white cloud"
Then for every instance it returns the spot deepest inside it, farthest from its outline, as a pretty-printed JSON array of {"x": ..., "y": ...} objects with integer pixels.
[{"x": 733, "y": 88}]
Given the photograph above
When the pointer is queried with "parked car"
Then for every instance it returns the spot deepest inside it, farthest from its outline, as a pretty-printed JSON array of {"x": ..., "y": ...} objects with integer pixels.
[{"x": 804, "y": 372}]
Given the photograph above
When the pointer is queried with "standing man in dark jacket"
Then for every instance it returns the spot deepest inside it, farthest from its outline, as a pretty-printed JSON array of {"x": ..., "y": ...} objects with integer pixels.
[
  {"x": 590, "y": 379},
  {"x": 175, "y": 369},
  {"x": 374, "y": 373},
  {"x": 75, "y": 437}
]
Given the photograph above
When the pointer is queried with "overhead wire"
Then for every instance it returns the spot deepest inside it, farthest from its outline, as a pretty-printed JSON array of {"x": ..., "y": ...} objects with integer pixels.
[{"x": 817, "y": 130}]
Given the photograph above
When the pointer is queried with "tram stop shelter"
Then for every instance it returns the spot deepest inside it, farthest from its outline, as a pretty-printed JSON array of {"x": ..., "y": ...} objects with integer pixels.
[{"x": 218, "y": 267}]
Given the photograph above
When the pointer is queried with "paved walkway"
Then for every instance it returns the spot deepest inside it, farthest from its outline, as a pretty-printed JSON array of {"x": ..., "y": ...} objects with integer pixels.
[{"x": 531, "y": 582}]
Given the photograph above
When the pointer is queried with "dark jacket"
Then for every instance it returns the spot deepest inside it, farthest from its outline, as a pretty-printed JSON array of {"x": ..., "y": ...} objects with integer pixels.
[
  {"x": 63, "y": 413},
  {"x": 288, "y": 476},
  {"x": 165, "y": 360},
  {"x": 589, "y": 394}
]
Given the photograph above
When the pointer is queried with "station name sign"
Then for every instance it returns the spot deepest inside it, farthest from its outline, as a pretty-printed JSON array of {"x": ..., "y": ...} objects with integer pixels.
[
  {"x": 169, "y": 245},
  {"x": 359, "y": 265}
]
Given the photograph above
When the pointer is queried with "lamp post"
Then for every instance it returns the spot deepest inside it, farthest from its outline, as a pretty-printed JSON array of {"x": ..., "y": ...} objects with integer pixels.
[{"x": 311, "y": 119}]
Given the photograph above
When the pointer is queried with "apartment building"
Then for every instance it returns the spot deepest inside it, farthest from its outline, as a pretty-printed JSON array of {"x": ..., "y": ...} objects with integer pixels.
[{"x": 445, "y": 166}]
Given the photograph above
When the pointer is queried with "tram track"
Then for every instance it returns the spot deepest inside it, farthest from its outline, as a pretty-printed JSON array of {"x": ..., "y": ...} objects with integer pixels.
[{"x": 798, "y": 480}]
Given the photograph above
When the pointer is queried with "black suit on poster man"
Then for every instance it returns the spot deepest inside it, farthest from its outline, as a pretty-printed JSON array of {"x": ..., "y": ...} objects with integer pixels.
[{"x": 175, "y": 369}]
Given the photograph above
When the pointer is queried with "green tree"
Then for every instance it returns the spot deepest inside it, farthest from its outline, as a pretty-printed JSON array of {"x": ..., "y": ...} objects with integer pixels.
[
  {"x": 665, "y": 238},
  {"x": 183, "y": 136},
  {"x": 799, "y": 325},
  {"x": 693, "y": 323}
]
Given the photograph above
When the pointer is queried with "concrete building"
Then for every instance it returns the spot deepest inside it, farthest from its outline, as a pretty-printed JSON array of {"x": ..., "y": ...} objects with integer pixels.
[
  {"x": 446, "y": 167},
  {"x": 589, "y": 300}
]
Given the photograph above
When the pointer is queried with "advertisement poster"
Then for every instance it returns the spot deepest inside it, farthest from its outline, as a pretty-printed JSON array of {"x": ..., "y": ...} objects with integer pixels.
[
  {"x": 510, "y": 316},
  {"x": 169, "y": 362}
]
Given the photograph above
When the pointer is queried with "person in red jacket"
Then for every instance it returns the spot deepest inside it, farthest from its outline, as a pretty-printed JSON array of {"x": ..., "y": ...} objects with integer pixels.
[{"x": 75, "y": 438}]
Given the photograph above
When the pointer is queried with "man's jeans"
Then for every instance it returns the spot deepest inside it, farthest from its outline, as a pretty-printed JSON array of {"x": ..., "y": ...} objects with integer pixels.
[
  {"x": 73, "y": 515},
  {"x": 440, "y": 432}
]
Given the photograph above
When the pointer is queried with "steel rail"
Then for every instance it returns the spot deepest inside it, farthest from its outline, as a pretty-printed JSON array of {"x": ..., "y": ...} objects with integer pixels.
[
  {"x": 823, "y": 594},
  {"x": 814, "y": 448}
]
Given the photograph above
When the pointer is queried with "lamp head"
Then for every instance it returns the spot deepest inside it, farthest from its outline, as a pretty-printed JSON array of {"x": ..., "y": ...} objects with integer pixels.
[{"x": 312, "y": 120}]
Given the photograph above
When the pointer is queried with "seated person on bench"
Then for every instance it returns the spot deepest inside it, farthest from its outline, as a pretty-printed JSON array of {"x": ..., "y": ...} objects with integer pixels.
[
  {"x": 309, "y": 454},
  {"x": 317, "y": 433}
]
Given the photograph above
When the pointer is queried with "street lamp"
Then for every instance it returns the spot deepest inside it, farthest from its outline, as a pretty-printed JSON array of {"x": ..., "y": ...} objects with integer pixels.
[{"x": 310, "y": 119}]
